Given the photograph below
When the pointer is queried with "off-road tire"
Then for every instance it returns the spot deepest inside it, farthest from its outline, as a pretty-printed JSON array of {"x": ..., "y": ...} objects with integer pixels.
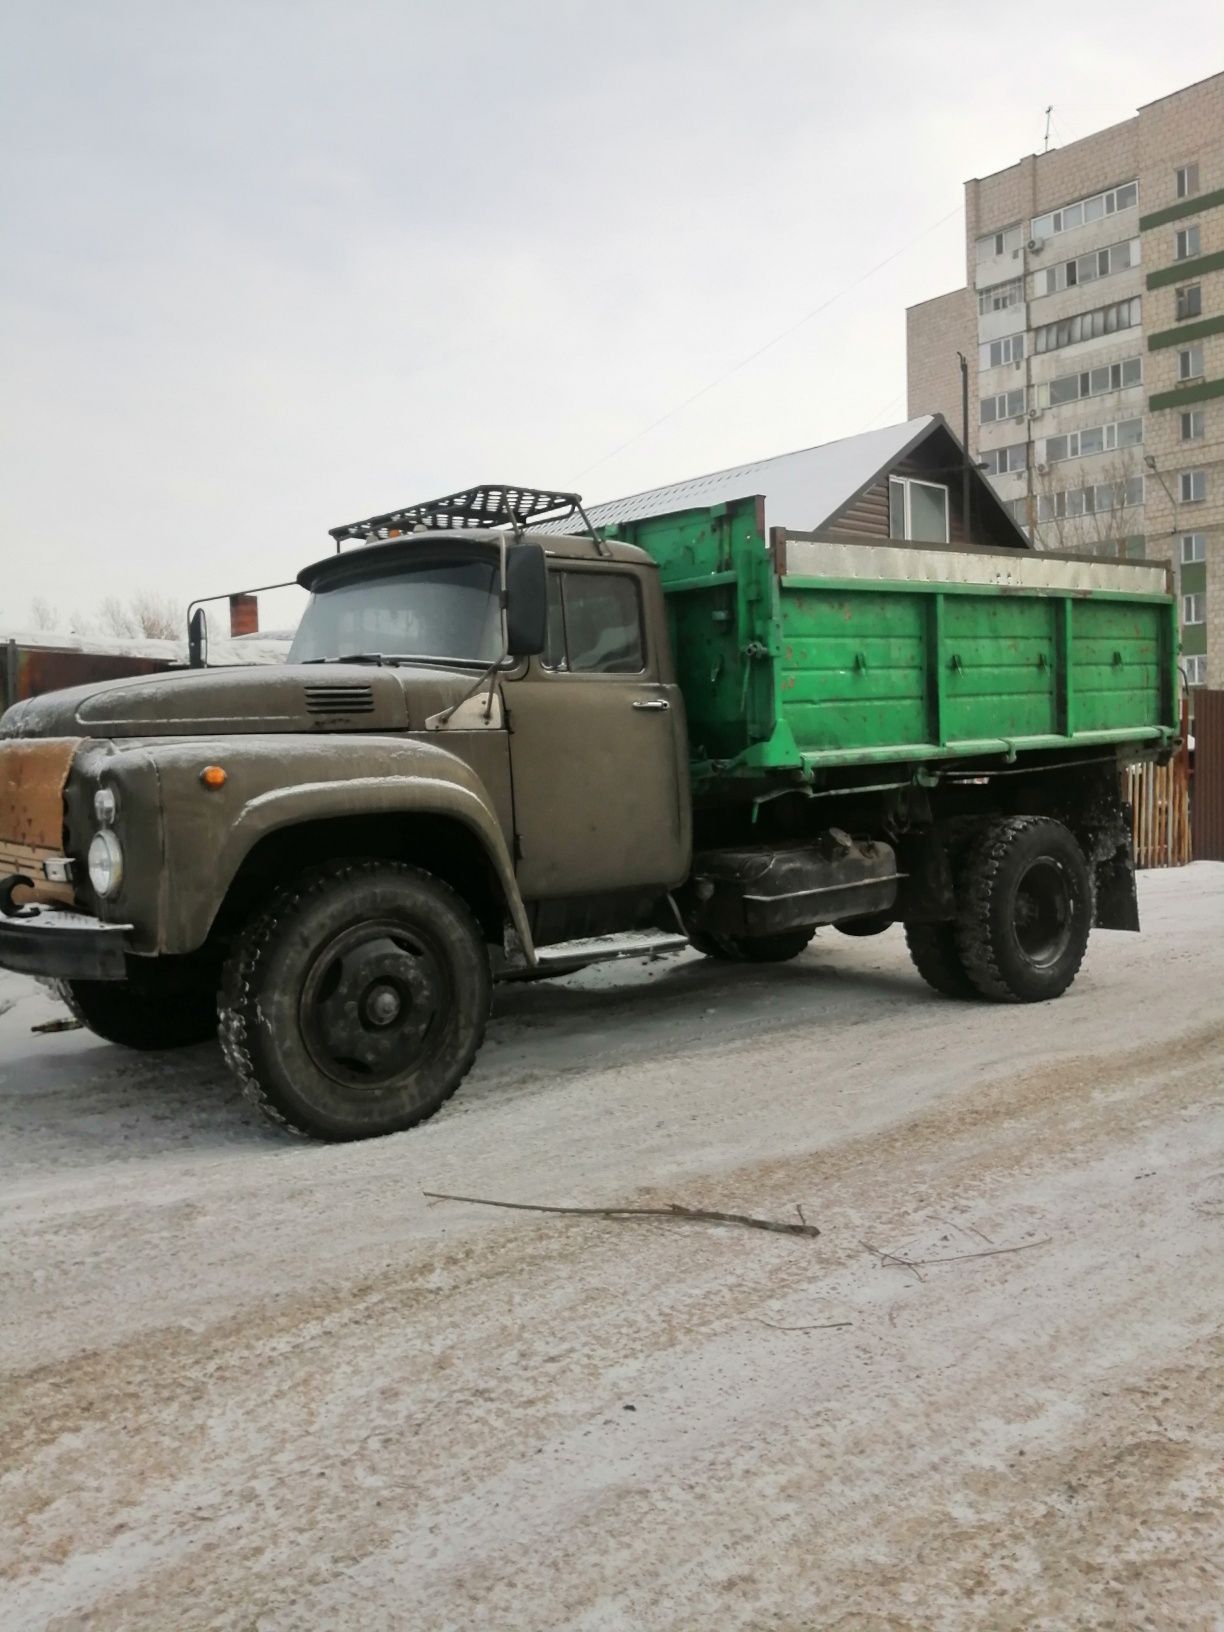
[
  {"x": 933, "y": 951},
  {"x": 869, "y": 923},
  {"x": 1024, "y": 910},
  {"x": 780, "y": 948},
  {"x": 145, "y": 1012},
  {"x": 266, "y": 1017}
]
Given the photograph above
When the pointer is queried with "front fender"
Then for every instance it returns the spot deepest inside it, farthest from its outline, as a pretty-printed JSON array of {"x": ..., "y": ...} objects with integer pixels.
[{"x": 278, "y": 783}]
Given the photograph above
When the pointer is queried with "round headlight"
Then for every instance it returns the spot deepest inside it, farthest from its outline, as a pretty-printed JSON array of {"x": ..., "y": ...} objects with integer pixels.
[
  {"x": 105, "y": 806},
  {"x": 105, "y": 861}
]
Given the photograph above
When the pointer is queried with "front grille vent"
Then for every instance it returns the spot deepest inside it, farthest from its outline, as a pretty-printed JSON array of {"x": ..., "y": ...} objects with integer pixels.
[{"x": 339, "y": 699}]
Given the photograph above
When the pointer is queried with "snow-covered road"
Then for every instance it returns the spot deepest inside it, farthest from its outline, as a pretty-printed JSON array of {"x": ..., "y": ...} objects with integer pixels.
[{"x": 254, "y": 1383}]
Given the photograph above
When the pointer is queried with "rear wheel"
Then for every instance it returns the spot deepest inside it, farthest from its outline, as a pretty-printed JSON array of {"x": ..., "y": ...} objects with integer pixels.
[
  {"x": 933, "y": 950},
  {"x": 354, "y": 1004},
  {"x": 778, "y": 948},
  {"x": 158, "y": 1006},
  {"x": 1025, "y": 910}
]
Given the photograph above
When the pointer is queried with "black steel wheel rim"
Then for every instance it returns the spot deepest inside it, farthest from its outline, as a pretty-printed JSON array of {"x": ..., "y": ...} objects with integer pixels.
[
  {"x": 1043, "y": 913},
  {"x": 373, "y": 1004}
]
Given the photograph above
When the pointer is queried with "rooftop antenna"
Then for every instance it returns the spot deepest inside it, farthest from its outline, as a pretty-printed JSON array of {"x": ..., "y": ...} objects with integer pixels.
[{"x": 1049, "y": 111}]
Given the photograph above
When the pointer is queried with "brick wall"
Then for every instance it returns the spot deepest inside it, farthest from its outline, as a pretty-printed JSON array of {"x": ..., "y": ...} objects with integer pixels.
[{"x": 934, "y": 333}]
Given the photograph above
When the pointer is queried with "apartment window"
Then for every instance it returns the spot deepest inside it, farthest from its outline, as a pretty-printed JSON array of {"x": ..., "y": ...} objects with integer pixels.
[
  {"x": 1196, "y": 670},
  {"x": 993, "y": 244},
  {"x": 1088, "y": 501},
  {"x": 1193, "y": 425},
  {"x": 1095, "y": 382},
  {"x": 1193, "y": 548},
  {"x": 1186, "y": 243},
  {"x": 1133, "y": 547},
  {"x": 994, "y": 353},
  {"x": 917, "y": 510},
  {"x": 1194, "y": 608},
  {"x": 1190, "y": 363},
  {"x": 1002, "y": 461},
  {"x": 1123, "y": 433},
  {"x": 1069, "y": 331},
  {"x": 1000, "y": 296},
  {"x": 1187, "y": 180},
  {"x": 1101, "y": 263},
  {"x": 1190, "y": 301},
  {"x": 1007, "y": 405},
  {"x": 1192, "y": 486},
  {"x": 1085, "y": 210}
]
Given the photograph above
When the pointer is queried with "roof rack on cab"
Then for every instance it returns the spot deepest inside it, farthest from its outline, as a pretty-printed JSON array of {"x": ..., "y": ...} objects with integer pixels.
[{"x": 494, "y": 504}]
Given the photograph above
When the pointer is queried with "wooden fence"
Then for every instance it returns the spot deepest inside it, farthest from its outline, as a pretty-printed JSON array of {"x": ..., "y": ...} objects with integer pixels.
[
  {"x": 1159, "y": 796},
  {"x": 1209, "y": 775}
]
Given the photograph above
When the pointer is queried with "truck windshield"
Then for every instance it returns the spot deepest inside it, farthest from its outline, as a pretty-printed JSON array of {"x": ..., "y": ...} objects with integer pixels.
[{"x": 440, "y": 610}]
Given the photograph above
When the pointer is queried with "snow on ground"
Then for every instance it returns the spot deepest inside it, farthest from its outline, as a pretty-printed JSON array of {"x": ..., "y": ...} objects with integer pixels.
[{"x": 252, "y": 1383}]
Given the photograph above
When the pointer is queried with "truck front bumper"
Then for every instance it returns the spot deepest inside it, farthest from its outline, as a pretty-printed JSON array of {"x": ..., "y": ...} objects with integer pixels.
[{"x": 63, "y": 945}]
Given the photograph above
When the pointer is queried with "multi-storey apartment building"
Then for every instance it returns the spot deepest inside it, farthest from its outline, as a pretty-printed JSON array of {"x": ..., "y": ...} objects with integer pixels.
[{"x": 1093, "y": 326}]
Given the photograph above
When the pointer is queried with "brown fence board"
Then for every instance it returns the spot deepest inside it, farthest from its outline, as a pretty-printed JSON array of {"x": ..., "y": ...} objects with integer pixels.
[{"x": 1209, "y": 775}]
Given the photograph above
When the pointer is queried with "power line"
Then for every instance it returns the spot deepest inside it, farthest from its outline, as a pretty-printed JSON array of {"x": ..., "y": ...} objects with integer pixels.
[{"x": 760, "y": 351}]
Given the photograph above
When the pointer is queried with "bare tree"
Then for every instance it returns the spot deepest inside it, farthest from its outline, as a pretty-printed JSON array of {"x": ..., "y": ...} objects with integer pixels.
[
  {"x": 42, "y": 614},
  {"x": 117, "y": 619},
  {"x": 159, "y": 616},
  {"x": 1102, "y": 523}
]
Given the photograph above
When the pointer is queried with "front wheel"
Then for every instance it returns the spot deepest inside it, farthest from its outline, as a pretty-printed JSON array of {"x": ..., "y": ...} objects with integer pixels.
[
  {"x": 780, "y": 948},
  {"x": 1025, "y": 909},
  {"x": 355, "y": 1003},
  {"x": 157, "y": 1007}
]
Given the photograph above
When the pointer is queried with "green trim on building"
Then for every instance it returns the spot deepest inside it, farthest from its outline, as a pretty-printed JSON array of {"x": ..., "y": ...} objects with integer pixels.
[
  {"x": 1183, "y": 208},
  {"x": 1184, "y": 395},
  {"x": 1185, "y": 271},
  {"x": 1185, "y": 333}
]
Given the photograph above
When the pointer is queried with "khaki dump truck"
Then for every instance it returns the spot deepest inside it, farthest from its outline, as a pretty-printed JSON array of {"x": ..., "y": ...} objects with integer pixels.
[{"x": 505, "y": 744}]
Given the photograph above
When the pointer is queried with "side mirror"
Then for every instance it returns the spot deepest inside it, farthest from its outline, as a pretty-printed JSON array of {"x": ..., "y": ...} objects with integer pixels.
[
  {"x": 197, "y": 639},
  {"x": 526, "y": 599}
]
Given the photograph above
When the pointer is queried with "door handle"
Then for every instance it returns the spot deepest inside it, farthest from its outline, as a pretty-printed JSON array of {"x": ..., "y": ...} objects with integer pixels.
[{"x": 659, "y": 705}]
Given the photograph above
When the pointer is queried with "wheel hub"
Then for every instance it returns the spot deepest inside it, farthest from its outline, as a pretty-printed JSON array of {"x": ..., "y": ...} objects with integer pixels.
[
  {"x": 370, "y": 1002},
  {"x": 1043, "y": 912}
]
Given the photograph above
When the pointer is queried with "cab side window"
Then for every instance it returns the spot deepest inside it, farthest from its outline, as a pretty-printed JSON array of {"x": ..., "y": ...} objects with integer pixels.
[{"x": 594, "y": 623}]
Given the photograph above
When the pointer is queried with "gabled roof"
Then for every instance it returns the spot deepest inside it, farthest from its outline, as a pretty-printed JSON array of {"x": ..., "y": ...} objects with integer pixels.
[{"x": 803, "y": 491}]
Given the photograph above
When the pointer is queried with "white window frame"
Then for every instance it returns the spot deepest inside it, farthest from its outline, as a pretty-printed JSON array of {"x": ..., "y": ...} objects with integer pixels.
[
  {"x": 1125, "y": 314},
  {"x": 1186, "y": 180},
  {"x": 1091, "y": 267},
  {"x": 1191, "y": 362},
  {"x": 1081, "y": 374},
  {"x": 1109, "y": 440},
  {"x": 1010, "y": 348},
  {"x": 1006, "y": 412},
  {"x": 1001, "y": 297},
  {"x": 1196, "y": 669},
  {"x": 991, "y": 456},
  {"x": 1194, "y": 609},
  {"x": 1065, "y": 218},
  {"x": 1181, "y": 243},
  {"x": 1196, "y": 419},
  {"x": 1185, "y": 298},
  {"x": 1187, "y": 482},
  {"x": 908, "y": 482},
  {"x": 1193, "y": 548}
]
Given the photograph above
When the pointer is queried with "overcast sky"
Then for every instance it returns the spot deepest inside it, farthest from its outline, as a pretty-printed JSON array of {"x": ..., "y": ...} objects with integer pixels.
[{"x": 274, "y": 265}]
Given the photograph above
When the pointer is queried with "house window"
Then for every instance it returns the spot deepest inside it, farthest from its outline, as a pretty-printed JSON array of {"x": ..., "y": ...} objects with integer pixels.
[
  {"x": 1086, "y": 210},
  {"x": 1190, "y": 363},
  {"x": 1100, "y": 263},
  {"x": 1000, "y": 296},
  {"x": 1186, "y": 244},
  {"x": 1190, "y": 301},
  {"x": 594, "y": 624},
  {"x": 1007, "y": 405},
  {"x": 917, "y": 510},
  {"x": 1193, "y": 425},
  {"x": 994, "y": 353},
  {"x": 1000, "y": 461},
  {"x": 1187, "y": 180},
  {"x": 1194, "y": 609},
  {"x": 1192, "y": 486},
  {"x": 1069, "y": 331},
  {"x": 1193, "y": 548},
  {"x": 1196, "y": 670}
]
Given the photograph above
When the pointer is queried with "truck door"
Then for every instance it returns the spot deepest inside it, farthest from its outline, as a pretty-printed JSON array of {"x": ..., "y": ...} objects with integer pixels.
[{"x": 598, "y": 751}]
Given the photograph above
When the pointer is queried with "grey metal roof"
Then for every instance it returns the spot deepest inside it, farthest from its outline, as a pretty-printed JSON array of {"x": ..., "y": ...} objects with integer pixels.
[{"x": 801, "y": 490}]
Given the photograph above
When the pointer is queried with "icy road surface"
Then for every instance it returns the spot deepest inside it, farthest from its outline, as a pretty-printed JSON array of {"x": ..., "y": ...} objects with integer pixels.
[{"x": 253, "y": 1383}]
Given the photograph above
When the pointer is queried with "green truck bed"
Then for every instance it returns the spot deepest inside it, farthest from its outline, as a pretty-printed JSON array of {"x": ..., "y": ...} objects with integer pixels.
[{"x": 797, "y": 654}]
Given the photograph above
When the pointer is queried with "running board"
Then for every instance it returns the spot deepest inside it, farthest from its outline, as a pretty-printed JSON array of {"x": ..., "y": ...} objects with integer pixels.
[{"x": 569, "y": 955}]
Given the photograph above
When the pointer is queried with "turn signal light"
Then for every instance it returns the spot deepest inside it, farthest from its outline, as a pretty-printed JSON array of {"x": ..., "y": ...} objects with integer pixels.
[{"x": 213, "y": 776}]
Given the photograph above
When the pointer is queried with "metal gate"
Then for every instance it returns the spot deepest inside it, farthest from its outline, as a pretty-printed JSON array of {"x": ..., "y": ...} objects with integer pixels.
[{"x": 1209, "y": 775}]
